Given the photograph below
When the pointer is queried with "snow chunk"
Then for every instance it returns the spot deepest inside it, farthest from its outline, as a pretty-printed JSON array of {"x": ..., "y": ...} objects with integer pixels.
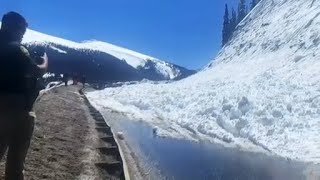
[{"x": 244, "y": 105}]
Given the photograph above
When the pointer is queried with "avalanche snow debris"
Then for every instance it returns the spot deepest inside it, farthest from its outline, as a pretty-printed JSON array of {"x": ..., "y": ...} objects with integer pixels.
[{"x": 249, "y": 96}]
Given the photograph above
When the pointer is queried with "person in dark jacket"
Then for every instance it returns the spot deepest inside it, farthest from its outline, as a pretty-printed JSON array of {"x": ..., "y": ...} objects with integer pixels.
[
  {"x": 18, "y": 73},
  {"x": 83, "y": 81},
  {"x": 65, "y": 78}
]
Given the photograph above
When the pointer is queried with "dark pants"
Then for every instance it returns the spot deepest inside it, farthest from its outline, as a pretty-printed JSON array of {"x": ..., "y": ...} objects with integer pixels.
[{"x": 16, "y": 128}]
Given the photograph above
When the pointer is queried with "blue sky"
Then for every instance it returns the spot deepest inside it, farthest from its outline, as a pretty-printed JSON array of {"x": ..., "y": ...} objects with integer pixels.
[{"x": 184, "y": 32}]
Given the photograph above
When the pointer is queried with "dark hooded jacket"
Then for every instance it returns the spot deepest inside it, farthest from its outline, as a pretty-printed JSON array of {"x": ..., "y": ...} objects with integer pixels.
[{"x": 18, "y": 71}]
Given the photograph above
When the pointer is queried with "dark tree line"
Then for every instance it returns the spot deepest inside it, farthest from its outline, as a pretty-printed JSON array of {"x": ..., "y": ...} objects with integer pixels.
[{"x": 230, "y": 22}]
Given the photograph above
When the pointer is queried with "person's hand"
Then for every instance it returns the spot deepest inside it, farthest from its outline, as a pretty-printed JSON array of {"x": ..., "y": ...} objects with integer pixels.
[
  {"x": 44, "y": 65},
  {"x": 45, "y": 56}
]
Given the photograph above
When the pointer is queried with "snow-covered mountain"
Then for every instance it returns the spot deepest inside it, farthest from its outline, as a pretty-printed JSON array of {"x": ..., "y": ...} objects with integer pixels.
[
  {"x": 139, "y": 65},
  {"x": 262, "y": 91}
]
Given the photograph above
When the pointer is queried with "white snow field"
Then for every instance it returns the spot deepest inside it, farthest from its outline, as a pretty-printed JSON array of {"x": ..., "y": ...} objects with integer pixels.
[
  {"x": 134, "y": 59},
  {"x": 262, "y": 90}
]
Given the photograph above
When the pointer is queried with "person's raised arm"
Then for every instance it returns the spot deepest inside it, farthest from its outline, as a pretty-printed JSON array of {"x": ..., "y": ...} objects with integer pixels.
[{"x": 29, "y": 64}]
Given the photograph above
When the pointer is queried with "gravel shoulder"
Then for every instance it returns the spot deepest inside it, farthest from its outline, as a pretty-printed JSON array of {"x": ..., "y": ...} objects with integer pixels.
[{"x": 65, "y": 141}]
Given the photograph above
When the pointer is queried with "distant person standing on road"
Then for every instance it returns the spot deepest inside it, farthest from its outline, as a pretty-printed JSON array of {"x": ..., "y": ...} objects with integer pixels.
[
  {"x": 65, "y": 78},
  {"x": 83, "y": 80},
  {"x": 18, "y": 72},
  {"x": 75, "y": 79}
]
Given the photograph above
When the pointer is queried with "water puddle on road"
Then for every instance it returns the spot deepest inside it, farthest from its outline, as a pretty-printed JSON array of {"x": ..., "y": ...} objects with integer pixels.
[{"x": 182, "y": 159}]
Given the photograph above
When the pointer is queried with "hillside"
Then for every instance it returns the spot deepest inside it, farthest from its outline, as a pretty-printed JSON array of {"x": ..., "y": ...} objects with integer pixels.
[
  {"x": 101, "y": 61},
  {"x": 260, "y": 93}
]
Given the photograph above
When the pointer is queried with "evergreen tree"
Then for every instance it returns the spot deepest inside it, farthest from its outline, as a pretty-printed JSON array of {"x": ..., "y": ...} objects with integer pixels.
[
  {"x": 233, "y": 21},
  {"x": 226, "y": 26},
  {"x": 241, "y": 10}
]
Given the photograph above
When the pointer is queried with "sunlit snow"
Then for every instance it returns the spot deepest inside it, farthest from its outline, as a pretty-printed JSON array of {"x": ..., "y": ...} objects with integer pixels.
[
  {"x": 262, "y": 90},
  {"x": 134, "y": 59}
]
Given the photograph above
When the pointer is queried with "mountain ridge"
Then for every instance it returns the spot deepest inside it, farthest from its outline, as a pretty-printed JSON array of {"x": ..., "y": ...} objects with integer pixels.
[{"x": 146, "y": 67}]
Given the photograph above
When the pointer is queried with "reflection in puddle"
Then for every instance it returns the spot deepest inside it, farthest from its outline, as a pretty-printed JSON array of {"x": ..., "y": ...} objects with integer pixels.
[{"x": 182, "y": 159}]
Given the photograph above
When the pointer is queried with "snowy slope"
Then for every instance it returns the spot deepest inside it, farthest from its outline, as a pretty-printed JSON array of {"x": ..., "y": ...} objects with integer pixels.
[
  {"x": 134, "y": 59},
  {"x": 262, "y": 90}
]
